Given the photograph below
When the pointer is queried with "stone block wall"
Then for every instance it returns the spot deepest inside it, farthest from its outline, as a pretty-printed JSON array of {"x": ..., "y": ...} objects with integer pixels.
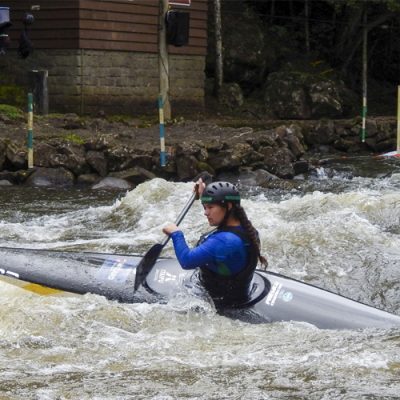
[{"x": 89, "y": 81}]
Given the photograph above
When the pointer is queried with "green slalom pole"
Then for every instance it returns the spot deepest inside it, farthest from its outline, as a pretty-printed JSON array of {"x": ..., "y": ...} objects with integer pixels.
[{"x": 30, "y": 130}]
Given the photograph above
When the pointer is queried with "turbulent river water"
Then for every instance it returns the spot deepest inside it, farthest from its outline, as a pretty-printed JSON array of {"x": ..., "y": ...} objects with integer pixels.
[{"x": 338, "y": 229}]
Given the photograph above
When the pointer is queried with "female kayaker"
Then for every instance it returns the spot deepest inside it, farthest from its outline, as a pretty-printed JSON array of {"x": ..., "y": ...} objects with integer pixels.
[{"x": 228, "y": 255}]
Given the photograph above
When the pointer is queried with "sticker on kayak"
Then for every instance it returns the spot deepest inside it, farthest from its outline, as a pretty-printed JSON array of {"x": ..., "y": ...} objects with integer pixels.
[
  {"x": 9, "y": 273},
  {"x": 163, "y": 276},
  {"x": 277, "y": 292},
  {"x": 117, "y": 270},
  {"x": 286, "y": 296}
]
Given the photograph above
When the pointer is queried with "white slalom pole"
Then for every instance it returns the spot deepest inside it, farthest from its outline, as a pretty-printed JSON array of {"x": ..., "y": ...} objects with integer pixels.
[{"x": 396, "y": 153}]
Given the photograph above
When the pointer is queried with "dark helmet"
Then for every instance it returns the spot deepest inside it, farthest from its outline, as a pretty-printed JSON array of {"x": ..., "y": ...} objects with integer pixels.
[{"x": 220, "y": 192}]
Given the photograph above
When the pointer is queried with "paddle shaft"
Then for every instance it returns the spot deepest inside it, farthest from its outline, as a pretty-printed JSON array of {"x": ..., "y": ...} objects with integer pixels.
[{"x": 181, "y": 216}]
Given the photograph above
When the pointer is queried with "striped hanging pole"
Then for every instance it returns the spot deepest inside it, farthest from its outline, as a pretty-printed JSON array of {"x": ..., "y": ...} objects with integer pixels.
[
  {"x": 364, "y": 119},
  {"x": 30, "y": 130},
  {"x": 162, "y": 131}
]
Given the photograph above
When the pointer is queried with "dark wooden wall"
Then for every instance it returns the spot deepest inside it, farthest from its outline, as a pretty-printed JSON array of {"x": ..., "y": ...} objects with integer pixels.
[
  {"x": 121, "y": 25},
  {"x": 56, "y": 25}
]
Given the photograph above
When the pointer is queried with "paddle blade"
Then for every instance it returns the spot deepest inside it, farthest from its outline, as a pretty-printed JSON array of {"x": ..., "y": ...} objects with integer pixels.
[{"x": 146, "y": 264}]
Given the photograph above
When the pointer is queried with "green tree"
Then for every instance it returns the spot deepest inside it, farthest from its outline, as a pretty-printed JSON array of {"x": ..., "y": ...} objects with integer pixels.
[{"x": 349, "y": 15}]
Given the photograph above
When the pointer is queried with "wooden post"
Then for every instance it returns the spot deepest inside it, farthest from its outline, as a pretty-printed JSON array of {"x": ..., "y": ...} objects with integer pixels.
[
  {"x": 307, "y": 25},
  {"x": 398, "y": 119},
  {"x": 39, "y": 89},
  {"x": 82, "y": 82},
  {"x": 30, "y": 131},
  {"x": 364, "y": 76},
  {"x": 219, "y": 68},
  {"x": 272, "y": 12},
  {"x": 163, "y": 62}
]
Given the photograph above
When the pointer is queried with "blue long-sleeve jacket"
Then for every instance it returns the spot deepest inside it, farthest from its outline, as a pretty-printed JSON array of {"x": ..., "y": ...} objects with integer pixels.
[{"x": 222, "y": 252}]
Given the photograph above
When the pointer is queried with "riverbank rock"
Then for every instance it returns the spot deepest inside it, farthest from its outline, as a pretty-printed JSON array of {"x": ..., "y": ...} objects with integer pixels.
[
  {"x": 3, "y": 147},
  {"x": 113, "y": 183},
  {"x": 304, "y": 95},
  {"x": 279, "y": 149},
  {"x": 49, "y": 177}
]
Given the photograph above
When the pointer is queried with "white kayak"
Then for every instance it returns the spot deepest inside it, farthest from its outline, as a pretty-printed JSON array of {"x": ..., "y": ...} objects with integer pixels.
[{"x": 273, "y": 297}]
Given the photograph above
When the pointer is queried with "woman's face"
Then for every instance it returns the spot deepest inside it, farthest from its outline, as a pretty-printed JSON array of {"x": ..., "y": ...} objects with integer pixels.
[{"x": 214, "y": 213}]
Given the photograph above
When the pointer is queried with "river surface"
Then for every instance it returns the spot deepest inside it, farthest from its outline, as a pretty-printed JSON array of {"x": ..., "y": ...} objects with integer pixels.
[{"x": 339, "y": 229}]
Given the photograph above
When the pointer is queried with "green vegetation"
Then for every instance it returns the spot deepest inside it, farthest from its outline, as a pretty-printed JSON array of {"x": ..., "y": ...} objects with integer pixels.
[
  {"x": 146, "y": 121},
  {"x": 11, "y": 112},
  {"x": 142, "y": 121},
  {"x": 74, "y": 138},
  {"x": 13, "y": 94},
  {"x": 119, "y": 118},
  {"x": 333, "y": 30}
]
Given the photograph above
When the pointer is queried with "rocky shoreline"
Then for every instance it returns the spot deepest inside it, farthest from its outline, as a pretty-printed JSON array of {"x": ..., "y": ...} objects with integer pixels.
[{"x": 96, "y": 152}]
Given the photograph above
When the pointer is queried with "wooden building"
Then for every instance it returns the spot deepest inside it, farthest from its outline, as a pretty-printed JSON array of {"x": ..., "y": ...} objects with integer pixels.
[{"x": 103, "y": 54}]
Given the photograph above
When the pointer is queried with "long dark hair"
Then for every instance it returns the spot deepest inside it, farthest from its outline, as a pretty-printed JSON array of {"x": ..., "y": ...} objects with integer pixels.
[{"x": 238, "y": 212}]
